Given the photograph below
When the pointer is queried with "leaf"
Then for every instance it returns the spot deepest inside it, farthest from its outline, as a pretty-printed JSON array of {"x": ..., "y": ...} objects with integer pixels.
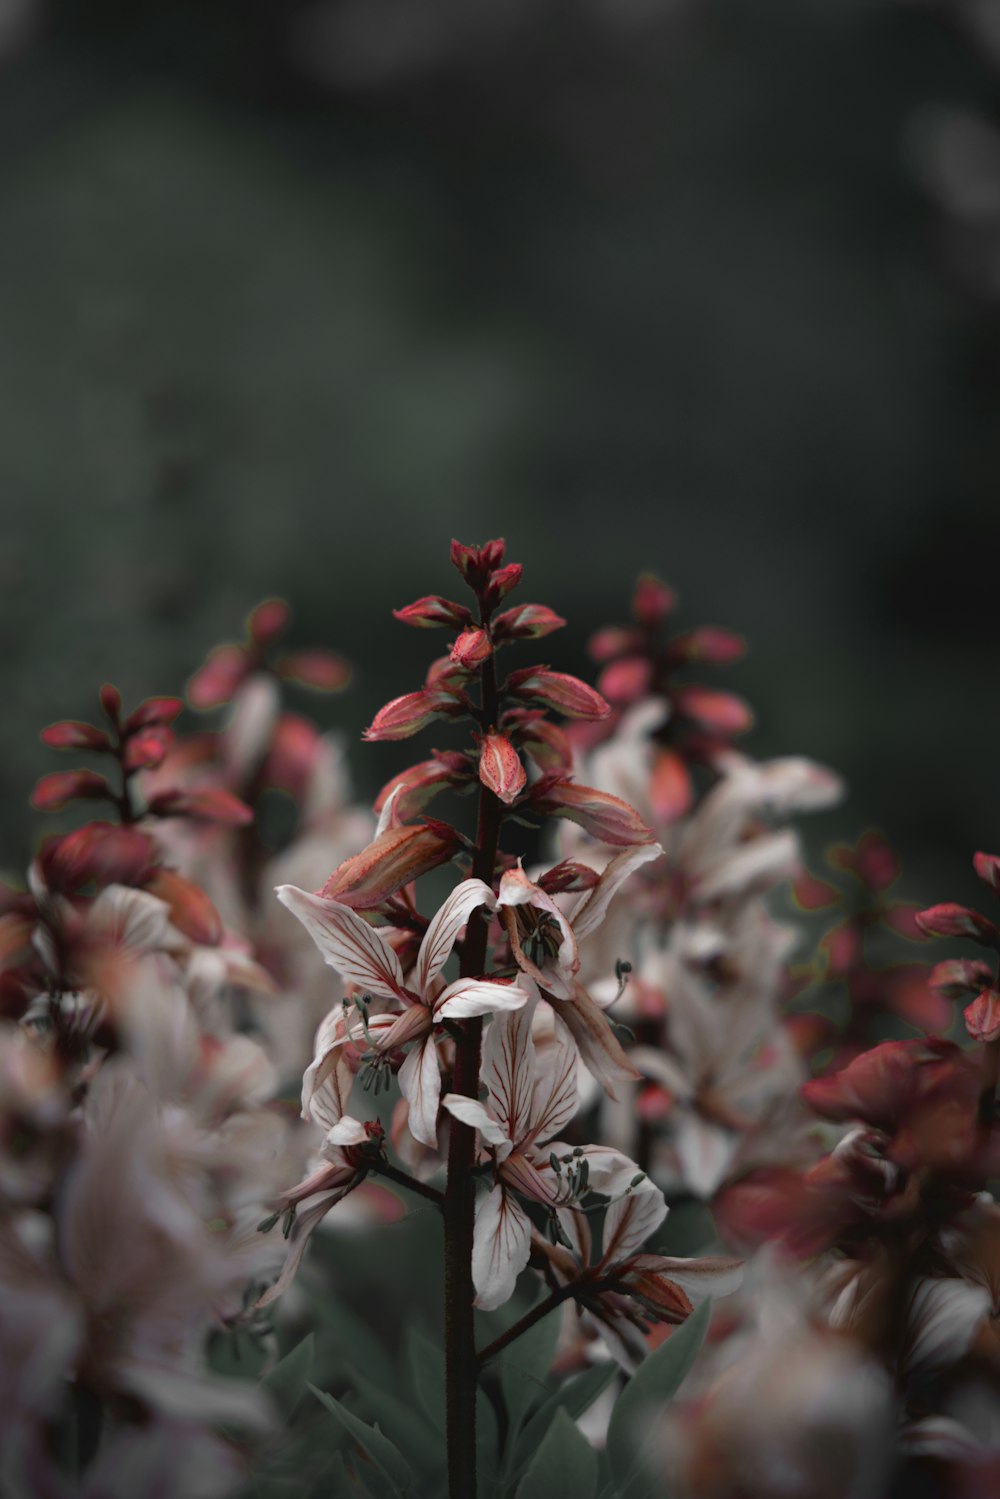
[
  {"x": 287, "y": 1381},
  {"x": 425, "y": 1362},
  {"x": 384, "y": 1454},
  {"x": 574, "y": 1397},
  {"x": 420, "y": 1443},
  {"x": 633, "y": 1425},
  {"x": 565, "y": 1463},
  {"x": 524, "y": 1370}
]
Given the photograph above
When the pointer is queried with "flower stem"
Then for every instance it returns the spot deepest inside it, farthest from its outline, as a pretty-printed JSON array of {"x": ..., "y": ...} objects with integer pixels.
[
  {"x": 525, "y": 1323},
  {"x": 411, "y": 1183},
  {"x": 460, "y": 1191}
]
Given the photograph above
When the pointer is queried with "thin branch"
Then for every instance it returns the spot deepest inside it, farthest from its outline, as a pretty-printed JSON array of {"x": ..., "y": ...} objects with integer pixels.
[
  {"x": 526, "y": 1323},
  {"x": 411, "y": 1183}
]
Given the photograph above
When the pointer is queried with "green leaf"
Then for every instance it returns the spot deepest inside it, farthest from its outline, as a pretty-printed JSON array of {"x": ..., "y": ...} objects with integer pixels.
[
  {"x": 632, "y": 1432},
  {"x": 384, "y": 1454},
  {"x": 565, "y": 1463},
  {"x": 287, "y": 1381},
  {"x": 425, "y": 1363},
  {"x": 523, "y": 1370},
  {"x": 574, "y": 1397},
  {"x": 420, "y": 1443}
]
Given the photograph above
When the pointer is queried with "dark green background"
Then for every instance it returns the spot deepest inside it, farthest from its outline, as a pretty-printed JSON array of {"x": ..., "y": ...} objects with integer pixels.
[{"x": 290, "y": 294}]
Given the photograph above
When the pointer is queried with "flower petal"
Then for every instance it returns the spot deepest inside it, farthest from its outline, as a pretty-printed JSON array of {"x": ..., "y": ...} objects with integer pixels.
[
  {"x": 630, "y": 1220},
  {"x": 420, "y": 1085},
  {"x": 442, "y": 934},
  {"x": 500, "y": 1247},
  {"x": 472, "y": 1112},
  {"x": 466, "y": 998},
  {"x": 599, "y": 1046},
  {"x": 592, "y": 909},
  {"x": 346, "y": 942}
]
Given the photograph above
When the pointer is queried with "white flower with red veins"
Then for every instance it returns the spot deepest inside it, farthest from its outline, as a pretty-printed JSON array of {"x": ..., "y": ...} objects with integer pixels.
[{"x": 361, "y": 956}]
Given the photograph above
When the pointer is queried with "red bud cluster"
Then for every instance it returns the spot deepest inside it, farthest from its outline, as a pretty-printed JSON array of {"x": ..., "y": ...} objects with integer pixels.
[
  {"x": 699, "y": 722},
  {"x": 229, "y": 665},
  {"x": 959, "y": 979}
]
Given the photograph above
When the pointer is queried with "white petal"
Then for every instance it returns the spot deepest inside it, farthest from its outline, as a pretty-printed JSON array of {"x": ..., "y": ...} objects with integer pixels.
[
  {"x": 509, "y": 1070},
  {"x": 630, "y": 1220},
  {"x": 592, "y": 908},
  {"x": 471, "y": 1111},
  {"x": 555, "y": 1096},
  {"x": 346, "y": 943},
  {"x": 442, "y": 934},
  {"x": 346, "y": 1131},
  {"x": 500, "y": 1248},
  {"x": 943, "y": 1320},
  {"x": 468, "y": 997},
  {"x": 705, "y": 1150},
  {"x": 420, "y": 1085}
]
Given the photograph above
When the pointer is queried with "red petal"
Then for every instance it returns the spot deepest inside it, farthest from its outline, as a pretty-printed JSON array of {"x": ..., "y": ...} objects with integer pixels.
[
  {"x": 72, "y": 734},
  {"x": 55, "y": 791},
  {"x": 267, "y": 621},
  {"x": 216, "y": 681}
]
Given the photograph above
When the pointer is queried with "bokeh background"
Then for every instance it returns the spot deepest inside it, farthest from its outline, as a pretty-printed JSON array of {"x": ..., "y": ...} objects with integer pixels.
[{"x": 291, "y": 293}]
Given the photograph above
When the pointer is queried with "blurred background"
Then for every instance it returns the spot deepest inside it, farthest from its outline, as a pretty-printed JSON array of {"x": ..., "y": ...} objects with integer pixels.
[{"x": 291, "y": 293}]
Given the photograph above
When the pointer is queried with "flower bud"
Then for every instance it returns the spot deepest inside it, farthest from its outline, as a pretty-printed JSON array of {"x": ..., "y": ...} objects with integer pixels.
[
  {"x": 402, "y": 716},
  {"x": 718, "y": 712},
  {"x": 951, "y": 920},
  {"x": 708, "y": 643},
  {"x": 477, "y": 563},
  {"x": 148, "y": 750},
  {"x": 99, "y": 852},
  {"x": 626, "y": 680},
  {"x": 55, "y": 791},
  {"x": 605, "y": 817},
  {"x": 527, "y": 621},
  {"x": 547, "y": 744},
  {"x": 155, "y": 710},
  {"x": 957, "y": 978},
  {"x": 111, "y": 701},
  {"x": 500, "y": 768},
  {"x": 501, "y": 583},
  {"x": 987, "y": 866},
  {"x": 670, "y": 788},
  {"x": 982, "y": 1018},
  {"x": 471, "y": 649},
  {"x": 614, "y": 641},
  {"x": 432, "y": 610},
  {"x": 320, "y": 670},
  {"x": 393, "y": 860},
  {"x": 215, "y": 682},
  {"x": 211, "y": 805},
  {"x": 71, "y": 734},
  {"x": 191, "y": 911},
  {"x": 652, "y": 601},
  {"x": 268, "y": 621},
  {"x": 563, "y": 693},
  {"x": 417, "y": 785}
]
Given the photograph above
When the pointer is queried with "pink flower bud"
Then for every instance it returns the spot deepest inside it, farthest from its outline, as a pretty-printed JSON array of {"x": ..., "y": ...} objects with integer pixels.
[
  {"x": 99, "y": 852},
  {"x": 718, "y": 712},
  {"x": 563, "y": 693},
  {"x": 547, "y": 744},
  {"x": 214, "y": 683},
  {"x": 982, "y": 1018},
  {"x": 111, "y": 701},
  {"x": 268, "y": 621},
  {"x": 432, "y": 610},
  {"x": 155, "y": 710},
  {"x": 951, "y": 920},
  {"x": 500, "y": 768},
  {"x": 605, "y": 817},
  {"x": 55, "y": 791},
  {"x": 292, "y": 757},
  {"x": 402, "y": 716},
  {"x": 614, "y": 641},
  {"x": 320, "y": 670},
  {"x": 957, "y": 978},
  {"x": 568, "y": 875},
  {"x": 417, "y": 785},
  {"x": 71, "y": 734},
  {"x": 191, "y": 911},
  {"x": 626, "y": 680},
  {"x": 670, "y": 789},
  {"x": 501, "y": 583},
  {"x": 987, "y": 866},
  {"x": 527, "y": 621},
  {"x": 399, "y": 856},
  {"x": 718, "y": 647},
  {"x": 477, "y": 563},
  {"x": 652, "y": 601},
  {"x": 211, "y": 805},
  {"x": 471, "y": 648},
  {"x": 147, "y": 750}
]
